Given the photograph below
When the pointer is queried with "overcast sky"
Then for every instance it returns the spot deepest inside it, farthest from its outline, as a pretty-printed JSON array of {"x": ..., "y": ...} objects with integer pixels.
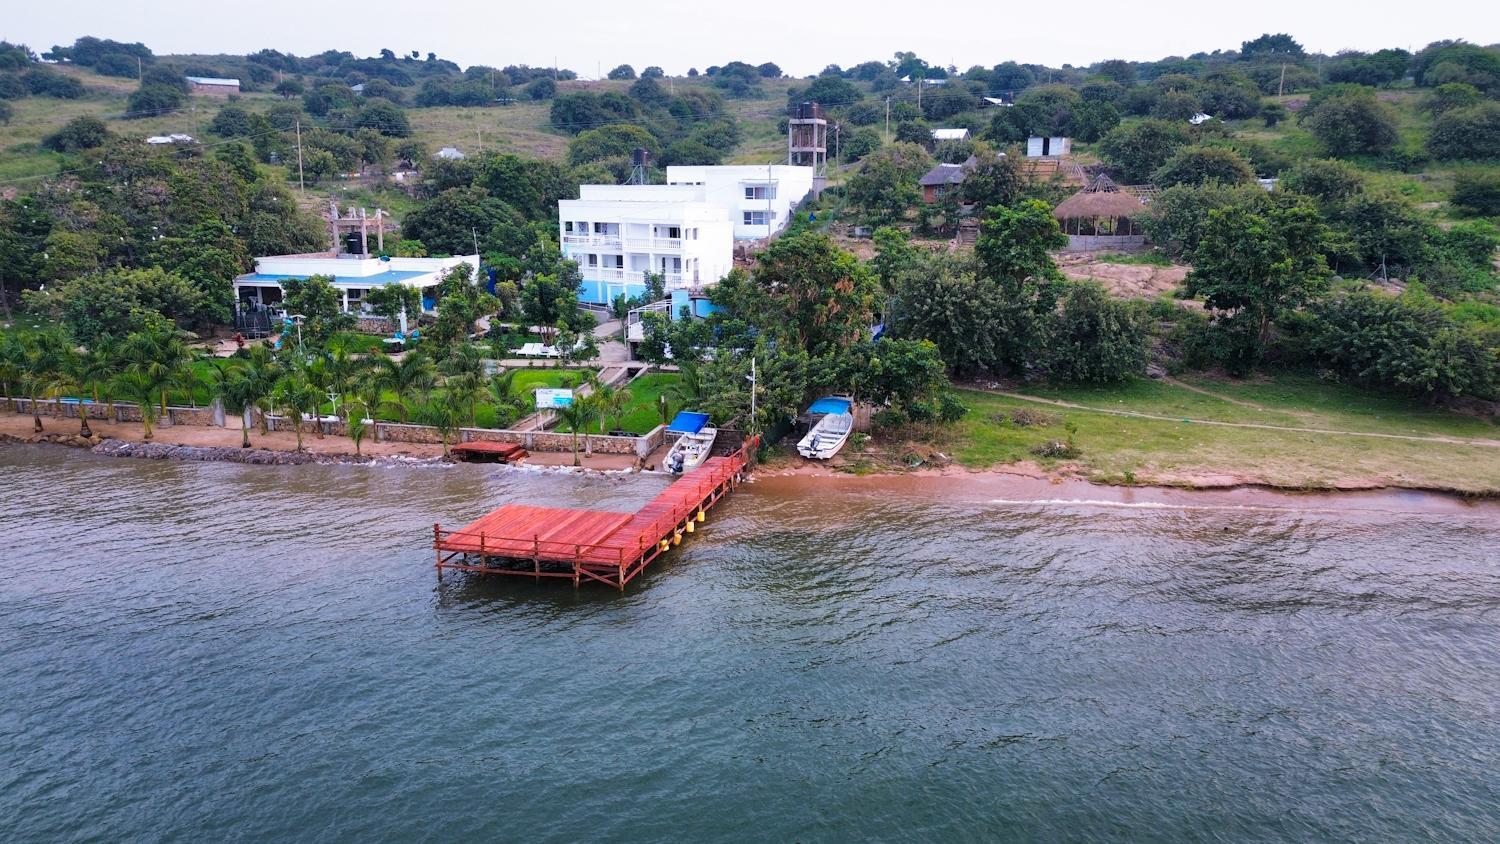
[{"x": 802, "y": 37}]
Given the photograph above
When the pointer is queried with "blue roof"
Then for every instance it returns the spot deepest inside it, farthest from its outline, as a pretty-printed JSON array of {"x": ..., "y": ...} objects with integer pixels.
[
  {"x": 830, "y": 404},
  {"x": 687, "y": 422},
  {"x": 387, "y": 277}
]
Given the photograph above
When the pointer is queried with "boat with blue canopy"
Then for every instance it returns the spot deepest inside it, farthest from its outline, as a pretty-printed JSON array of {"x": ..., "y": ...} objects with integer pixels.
[
  {"x": 831, "y": 431},
  {"x": 695, "y": 440}
]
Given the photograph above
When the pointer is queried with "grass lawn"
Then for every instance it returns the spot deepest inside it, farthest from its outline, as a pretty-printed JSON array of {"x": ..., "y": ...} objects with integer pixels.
[
  {"x": 356, "y": 343},
  {"x": 1173, "y": 450},
  {"x": 640, "y": 415}
]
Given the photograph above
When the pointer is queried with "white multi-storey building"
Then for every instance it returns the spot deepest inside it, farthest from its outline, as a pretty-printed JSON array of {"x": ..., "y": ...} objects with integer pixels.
[
  {"x": 684, "y": 230},
  {"x": 618, "y": 233},
  {"x": 759, "y": 198}
]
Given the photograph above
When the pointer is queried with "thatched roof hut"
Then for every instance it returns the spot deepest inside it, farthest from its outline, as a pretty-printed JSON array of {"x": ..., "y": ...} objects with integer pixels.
[
  {"x": 1101, "y": 198},
  {"x": 1100, "y": 209}
]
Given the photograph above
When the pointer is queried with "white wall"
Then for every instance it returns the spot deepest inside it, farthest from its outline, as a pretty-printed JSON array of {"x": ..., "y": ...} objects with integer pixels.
[{"x": 725, "y": 185}]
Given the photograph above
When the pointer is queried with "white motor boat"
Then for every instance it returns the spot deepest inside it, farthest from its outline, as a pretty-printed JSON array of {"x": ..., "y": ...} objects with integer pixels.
[
  {"x": 831, "y": 431},
  {"x": 694, "y": 444}
]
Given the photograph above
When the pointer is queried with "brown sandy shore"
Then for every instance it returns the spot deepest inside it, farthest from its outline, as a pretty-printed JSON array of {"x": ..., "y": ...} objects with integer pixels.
[{"x": 1025, "y": 478}]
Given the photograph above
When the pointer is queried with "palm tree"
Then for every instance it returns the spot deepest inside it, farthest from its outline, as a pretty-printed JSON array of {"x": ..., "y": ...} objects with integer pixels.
[
  {"x": 39, "y": 370},
  {"x": 235, "y": 392},
  {"x": 12, "y": 367},
  {"x": 507, "y": 406},
  {"x": 611, "y": 402},
  {"x": 367, "y": 394},
  {"x": 81, "y": 373},
  {"x": 578, "y": 415},
  {"x": 687, "y": 390},
  {"x": 163, "y": 357},
  {"x": 141, "y": 387},
  {"x": 445, "y": 415},
  {"x": 261, "y": 372},
  {"x": 412, "y": 376},
  {"x": 293, "y": 396},
  {"x": 344, "y": 371}
]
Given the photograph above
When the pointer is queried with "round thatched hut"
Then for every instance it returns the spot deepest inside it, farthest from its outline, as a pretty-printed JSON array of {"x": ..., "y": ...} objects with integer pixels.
[{"x": 1101, "y": 216}]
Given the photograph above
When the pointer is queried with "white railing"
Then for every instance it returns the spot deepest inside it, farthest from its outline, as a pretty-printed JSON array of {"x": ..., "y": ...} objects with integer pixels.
[
  {"x": 639, "y": 277},
  {"x": 617, "y": 242},
  {"x": 605, "y": 241}
]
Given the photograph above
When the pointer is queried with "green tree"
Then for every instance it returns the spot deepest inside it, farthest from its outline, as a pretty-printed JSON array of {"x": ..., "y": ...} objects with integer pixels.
[
  {"x": 618, "y": 140},
  {"x": 1095, "y": 339},
  {"x": 392, "y": 300},
  {"x": 409, "y": 379},
  {"x": 805, "y": 288},
  {"x": 80, "y": 133},
  {"x": 42, "y": 363},
  {"x": 1140, "y": 149},
  {"x": 294, "y": 397},
  {"x": 1251, "y": 267},
  {"x": 140, "y": 387},
  {"x": 1349, "y": 120},
  {"x": 1472, "y": 132},
  {"x": 577, "y": 416},
  {"x": 1196, "y": 165},
  {"x": 885, "y": 188},
  {"x": 320, "y": 305},
  {"x": 1476, "y": 193}
]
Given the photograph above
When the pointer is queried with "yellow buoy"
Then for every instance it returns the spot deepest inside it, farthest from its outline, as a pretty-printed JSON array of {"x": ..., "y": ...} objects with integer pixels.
[
  {"x": 690, "y": 526},
  {"x": 700, "y": 515},
  {"x": 676, "y": 537},
  {"x": 662, "y": 545}
]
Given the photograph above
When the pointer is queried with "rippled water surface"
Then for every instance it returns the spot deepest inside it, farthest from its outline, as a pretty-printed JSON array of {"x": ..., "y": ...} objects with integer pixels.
[{"x": 198, "y": 652}]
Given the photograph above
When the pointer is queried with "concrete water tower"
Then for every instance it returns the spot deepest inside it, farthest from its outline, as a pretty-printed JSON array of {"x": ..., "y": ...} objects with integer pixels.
[{"x": 807, "y": 142}]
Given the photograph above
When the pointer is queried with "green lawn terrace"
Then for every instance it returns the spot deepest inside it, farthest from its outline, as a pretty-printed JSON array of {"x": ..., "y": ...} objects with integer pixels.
[{"x": 1287, "y": 431}]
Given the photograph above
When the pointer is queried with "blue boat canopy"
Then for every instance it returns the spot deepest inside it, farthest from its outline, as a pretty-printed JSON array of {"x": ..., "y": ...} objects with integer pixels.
[
  {"x": 830, "y": 404},
  {"x": 687, "y": 422}
]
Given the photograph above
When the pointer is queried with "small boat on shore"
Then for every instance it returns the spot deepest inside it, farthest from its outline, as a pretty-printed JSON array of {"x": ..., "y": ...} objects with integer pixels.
[
  {"x": 835, "y": 421},
  {"x": 696, "y": 440}
]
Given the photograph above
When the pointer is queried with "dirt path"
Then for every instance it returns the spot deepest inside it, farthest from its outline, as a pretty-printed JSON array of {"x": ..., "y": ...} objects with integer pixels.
[
  {"x": 1202, "y": 392},
  {"x": 1249, "y": 425}
]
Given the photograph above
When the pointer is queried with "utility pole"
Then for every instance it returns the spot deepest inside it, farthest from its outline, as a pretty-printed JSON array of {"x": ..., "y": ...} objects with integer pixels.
[
  {"x": 139, "y": 76},
  {"x": 887, "y": 118},
  {"x": 754, "y": 385},
  {"x": 1281, "y": 86},
  {"x": 301, "y": 181}
]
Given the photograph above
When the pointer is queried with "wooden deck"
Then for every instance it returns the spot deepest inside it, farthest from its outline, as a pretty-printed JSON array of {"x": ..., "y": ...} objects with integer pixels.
[{"x": 604, "y": 545}]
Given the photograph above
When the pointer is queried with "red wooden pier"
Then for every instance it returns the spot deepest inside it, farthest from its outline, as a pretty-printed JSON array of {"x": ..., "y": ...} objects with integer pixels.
[{"x": 608, "y": 546}]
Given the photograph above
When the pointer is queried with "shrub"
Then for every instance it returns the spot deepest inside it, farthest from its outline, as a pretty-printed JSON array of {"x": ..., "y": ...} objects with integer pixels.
[
  {"x": 1349, "y": 120},
  {"x": 1476, "y": 193},
  {"x": 1026, "y": 417},
  {"x": 1472, "y": 132}
]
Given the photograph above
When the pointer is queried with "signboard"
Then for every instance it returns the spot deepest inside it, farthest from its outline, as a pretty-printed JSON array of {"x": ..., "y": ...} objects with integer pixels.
[{"x": 549, "y": 399}]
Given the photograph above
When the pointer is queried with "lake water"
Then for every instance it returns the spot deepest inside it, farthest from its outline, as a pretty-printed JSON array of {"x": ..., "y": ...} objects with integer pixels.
[{"x": 204, "y": 652}]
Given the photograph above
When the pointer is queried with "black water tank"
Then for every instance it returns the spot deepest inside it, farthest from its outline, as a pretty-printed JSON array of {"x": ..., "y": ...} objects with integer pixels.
[{"x": 640, "y": 157}]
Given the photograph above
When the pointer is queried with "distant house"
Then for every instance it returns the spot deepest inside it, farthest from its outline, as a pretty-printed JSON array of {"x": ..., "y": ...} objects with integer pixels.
[
  {"x": 212, "y": 85},
  {"x": 944, "y": 178},
  {"x": 358, "y": 89},
  {"x": 450, "y": 154},
  {"x": 175, "y": 138},
  {"x": 997, "y": 101},
  {"x": 1200, "y": 118},
  {"x": 1039, "y": 147},
  {"x": 950, "y": 134}
]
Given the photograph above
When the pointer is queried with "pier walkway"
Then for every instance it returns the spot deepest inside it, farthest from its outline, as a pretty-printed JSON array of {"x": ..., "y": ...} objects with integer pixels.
[{"x": 605, "y": 545}]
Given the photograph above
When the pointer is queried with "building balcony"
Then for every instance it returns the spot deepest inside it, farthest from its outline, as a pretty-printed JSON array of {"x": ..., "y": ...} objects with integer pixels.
[
  {"x": 650, "y": 244},
  {"x": 673, "y": 280}
]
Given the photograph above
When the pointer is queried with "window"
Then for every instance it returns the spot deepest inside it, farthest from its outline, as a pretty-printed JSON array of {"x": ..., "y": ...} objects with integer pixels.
[
  {"x": 568, "y": 227},
  {"x": 619, "y": 261},
  {"x": 757, "y": 218},
  {"x": 761, "y": 192},
  {"x": 593, "y": 260}
]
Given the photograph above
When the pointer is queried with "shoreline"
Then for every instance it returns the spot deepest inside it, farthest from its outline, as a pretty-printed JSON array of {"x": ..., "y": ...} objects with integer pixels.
[{"x": 1025, "y": 477}]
